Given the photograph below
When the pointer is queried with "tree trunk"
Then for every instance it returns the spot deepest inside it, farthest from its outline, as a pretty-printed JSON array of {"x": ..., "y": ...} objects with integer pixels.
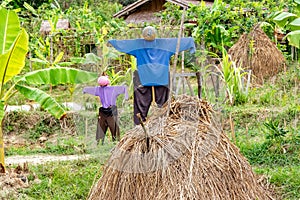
[{"x": 2, "y": 164}]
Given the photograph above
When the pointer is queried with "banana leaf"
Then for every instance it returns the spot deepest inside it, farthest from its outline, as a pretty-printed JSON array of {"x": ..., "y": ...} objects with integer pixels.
[
  {"x": 294, "y": 38},
  {"x": 59, "y": 75},
  {"x": 44, "y": 62},
  {"x": 91, "y": 58},
  {"x": 13, "y": 61},
  {"x": 46, "y": 101},
  {"x": 9, "y": 28},
  {"x": 283, "y": 18},
  {"x": 297, "y": 6},
  {"x": 58, "y": 58},
  {"x": 294, "y": 25}
]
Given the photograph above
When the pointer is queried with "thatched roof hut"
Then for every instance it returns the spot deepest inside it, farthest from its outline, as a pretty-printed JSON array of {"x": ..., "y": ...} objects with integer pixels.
[
  {"x": 61, "y": 24},
  {"x": 183, "y": 155},
  {"x": 143, "y": 10},
  {"x": 257, "y": 52}
]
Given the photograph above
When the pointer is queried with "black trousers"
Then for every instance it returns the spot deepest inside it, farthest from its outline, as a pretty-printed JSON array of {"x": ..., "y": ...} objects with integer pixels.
[
  {"x": 142, "y": 98},
  {"x": 108, "y": 118}
]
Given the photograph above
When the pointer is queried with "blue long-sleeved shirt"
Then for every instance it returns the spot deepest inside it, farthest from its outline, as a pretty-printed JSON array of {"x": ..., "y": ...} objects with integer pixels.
[{"x": 153, "y": 57}]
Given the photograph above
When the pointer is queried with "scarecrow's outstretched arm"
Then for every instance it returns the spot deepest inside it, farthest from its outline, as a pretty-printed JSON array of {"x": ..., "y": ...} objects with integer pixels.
[{"x": 90, "y": 90}]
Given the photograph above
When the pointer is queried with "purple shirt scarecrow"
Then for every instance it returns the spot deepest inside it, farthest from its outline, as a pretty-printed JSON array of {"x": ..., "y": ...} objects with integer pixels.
[{"x": 108, "y": 113}]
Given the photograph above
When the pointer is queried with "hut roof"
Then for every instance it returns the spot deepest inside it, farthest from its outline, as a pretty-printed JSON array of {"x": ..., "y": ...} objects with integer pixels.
[
  {"x": 61, "y": 24},
  {"x": 143, "y": 10}
]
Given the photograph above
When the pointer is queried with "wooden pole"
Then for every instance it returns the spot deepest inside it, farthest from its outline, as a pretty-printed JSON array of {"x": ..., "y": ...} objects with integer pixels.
[
  {"x": 176, "y": 59},
  {"x": 2, "y": 163},
  {"x": 199, "y": 81}
]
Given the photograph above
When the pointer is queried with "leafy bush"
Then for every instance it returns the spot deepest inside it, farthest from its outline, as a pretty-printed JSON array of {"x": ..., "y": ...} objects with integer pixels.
[
  {"x": 126, "y": 2},
  {"x": 14, "y": 4}
]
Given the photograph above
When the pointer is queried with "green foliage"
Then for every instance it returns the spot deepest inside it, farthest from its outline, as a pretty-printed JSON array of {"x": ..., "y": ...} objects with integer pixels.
[
  {"x": 126, "y": 2},
  {"x": 91, "y": 24},
  {"x": 68, "y": 146},
  {"x": 62, "y": 181},
  {"x": 275, "y": 132},
  {"x": 14, "y": 47},
  {"x": 233, "y": 77},
  {"x": 53, "y": 76},
  {"x": 63, "y": 147},
  {"x": 221, "y": 25},
  {"x": 290, "y": 23},
  {"x": 277, "y": 145},
  {"x": 281, "y": 94},
  {"x": 38, "y": 130},
  {"x": 267, "y": 133},
  {"x": 286, "y": 178},
  {"x": 16, "y": 4},
  {"x": 57, "y": 76}
]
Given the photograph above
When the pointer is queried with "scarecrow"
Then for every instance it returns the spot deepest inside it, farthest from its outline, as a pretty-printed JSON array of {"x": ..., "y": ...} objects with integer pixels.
[
  {"x": 108, "y": 113},
  {"x": 151, "y": 80}
]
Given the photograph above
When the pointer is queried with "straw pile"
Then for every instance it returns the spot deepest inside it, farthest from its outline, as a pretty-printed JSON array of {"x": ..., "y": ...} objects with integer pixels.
[
  {"x": 257, "y": 52},
  {"x": 180, "y": 156}
]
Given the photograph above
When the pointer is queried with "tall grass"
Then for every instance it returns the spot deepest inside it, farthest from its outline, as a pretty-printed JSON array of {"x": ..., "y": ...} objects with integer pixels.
[{"x": 233, "y": 78}]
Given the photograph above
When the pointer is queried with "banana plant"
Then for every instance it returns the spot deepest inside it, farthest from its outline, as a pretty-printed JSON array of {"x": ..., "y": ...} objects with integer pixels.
[
  {"x": 290, "y": 21},
  {"x": 13, "y": 51},
  {"x": 233, "y": 77}
]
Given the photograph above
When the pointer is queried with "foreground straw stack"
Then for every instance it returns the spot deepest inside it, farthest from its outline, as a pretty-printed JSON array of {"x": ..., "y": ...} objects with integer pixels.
[{"x": 181, "y": 156}]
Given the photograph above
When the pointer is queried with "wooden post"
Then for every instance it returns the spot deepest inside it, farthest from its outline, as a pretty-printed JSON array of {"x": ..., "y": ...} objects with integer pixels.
[
  {"x": 199, "y": 83},
  {"x": 2, "y": 163},
  {"x": 176, "y": 58},
  {"x": 85, "y": 127}
]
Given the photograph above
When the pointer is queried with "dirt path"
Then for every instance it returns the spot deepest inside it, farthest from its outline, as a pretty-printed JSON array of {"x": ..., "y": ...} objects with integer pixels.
[{"x": 40, "y": 159}]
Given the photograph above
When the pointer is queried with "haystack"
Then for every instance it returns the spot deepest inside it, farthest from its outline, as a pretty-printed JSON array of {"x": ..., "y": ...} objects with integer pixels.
[
  {"x": 257, "y": 52},
  {"x": 182, "y": 155}
]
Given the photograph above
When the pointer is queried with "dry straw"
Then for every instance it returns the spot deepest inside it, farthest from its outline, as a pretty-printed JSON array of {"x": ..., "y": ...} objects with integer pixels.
[
  {"x": 257, "y": 52},
  {"x": 186, "y": 157}
]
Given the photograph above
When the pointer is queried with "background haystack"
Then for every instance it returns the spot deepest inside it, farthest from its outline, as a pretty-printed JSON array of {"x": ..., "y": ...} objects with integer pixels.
[
  {"x": 257, "y": 52},
  {"x": 180, "y": 156}
]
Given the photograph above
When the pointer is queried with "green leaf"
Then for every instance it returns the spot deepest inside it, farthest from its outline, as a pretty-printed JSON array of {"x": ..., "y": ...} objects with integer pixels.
[
  {"x": 91, "y": 58},
  {"x": 13, "y": 61},
  {"x": 294, "y": 25},
  {"x": 30, "y": 8},
  {"x": 77, "y": 60},
  {"x": 283, "y": 18},
  {"x": 40, "y": 56},
  {"x": 9, "y": 29},
  {"x": 65, "y": 64},
  {"x": 61, "y": 75},
  {"x": 58, "y": 58},
  {"x": 39, "y": 61},
  {"x": 294, "y": 38},
  {"x": 1, "y": 110},
  {"x": 45, "y": 100}
]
